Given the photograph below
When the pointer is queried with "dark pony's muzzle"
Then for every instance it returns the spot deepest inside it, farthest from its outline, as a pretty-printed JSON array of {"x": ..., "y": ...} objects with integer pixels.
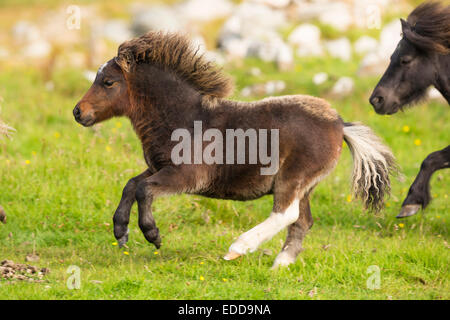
[{"x": 381, "y": 102}]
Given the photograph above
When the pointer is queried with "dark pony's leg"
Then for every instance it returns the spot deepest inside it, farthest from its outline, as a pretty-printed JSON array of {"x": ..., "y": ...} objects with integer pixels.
[
  {"x": 168, "y": 180},
  {"x": 122, "y": 215},
  {"x": 419, "y": 192},
  {"x": 296, "y": 232}
]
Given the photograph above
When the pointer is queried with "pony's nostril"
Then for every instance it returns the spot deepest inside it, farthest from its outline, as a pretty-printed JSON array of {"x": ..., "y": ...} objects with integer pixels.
[
  {"x": 377, "y": 101},
  {"x": 77, "y": 112}
]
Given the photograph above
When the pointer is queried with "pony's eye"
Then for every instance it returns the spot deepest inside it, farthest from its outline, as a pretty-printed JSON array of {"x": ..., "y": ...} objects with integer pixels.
[
  {"x": 405, "y": 60},
  {"x": 108, "y": 83}
]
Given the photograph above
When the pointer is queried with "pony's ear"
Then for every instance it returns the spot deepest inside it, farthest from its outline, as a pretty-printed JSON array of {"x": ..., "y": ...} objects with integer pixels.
[
  {"x": 125, "y": 60},
  {"x": 405, "y": 25}
]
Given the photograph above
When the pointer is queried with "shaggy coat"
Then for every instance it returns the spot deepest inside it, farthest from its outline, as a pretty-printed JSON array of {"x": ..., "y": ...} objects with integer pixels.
[{"x": 162, "y": 83}]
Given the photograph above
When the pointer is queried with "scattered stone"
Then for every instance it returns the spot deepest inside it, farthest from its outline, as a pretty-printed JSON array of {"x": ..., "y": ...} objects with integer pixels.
[
  {"x": 285, "y": 57},
  {"x": 339, "y": 48},
  {"x": 206, "y": 10},
  {"x": 343, "y": 87},
  {"x": 29, "y": 37},
  {"x": 433, "y": 94},
  {"x": 264, "y": 89},
  {"x": 365, "y": 44},
  {"x": 116, "y": 31},
  {"x": 16, "y": 271},
  {"x": 320, "y": 78},
  {"x": 376, "y": 62},
  {"x": 338, "y": 15},
  {"x": 32, "y": 257},
  {"x": 306, "y": 38},
  {"x": 252, "y": 30},
  {"x": 155, "y": 18},
  {"x": 274, "y": 3}
]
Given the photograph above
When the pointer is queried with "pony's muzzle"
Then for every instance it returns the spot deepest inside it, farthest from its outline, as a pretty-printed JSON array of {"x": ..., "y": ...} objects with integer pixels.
[{"x": 86, "y": 120}]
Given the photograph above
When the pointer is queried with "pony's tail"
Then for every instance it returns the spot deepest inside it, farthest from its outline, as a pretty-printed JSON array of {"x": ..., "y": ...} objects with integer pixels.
[{"x": 373, "y": 162}]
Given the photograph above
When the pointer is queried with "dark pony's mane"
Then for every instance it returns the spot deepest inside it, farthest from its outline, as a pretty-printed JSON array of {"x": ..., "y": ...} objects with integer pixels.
[
  {"x": 174, "y": 51},
  {"x": 428, "y": 27}
]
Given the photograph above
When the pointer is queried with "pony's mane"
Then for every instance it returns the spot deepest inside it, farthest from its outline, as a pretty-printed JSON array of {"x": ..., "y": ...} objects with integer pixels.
[
  {"x": 428, "y": 27},
  {"x": 174, "y": 51}
]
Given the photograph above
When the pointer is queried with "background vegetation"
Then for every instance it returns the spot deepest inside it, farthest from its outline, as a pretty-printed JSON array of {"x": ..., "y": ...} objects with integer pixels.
[{"x": 60, "y": 184}]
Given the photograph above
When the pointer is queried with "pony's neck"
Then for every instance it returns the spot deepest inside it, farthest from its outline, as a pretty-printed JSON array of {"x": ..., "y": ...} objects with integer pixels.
[
  {"x": 161, "y": 102},
  {"x": 442, "y": 82}
]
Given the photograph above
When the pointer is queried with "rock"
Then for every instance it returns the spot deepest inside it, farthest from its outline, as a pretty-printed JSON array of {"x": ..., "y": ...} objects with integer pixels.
[
  {"x": 252, "y": 30},
  {"x": 205, "y": 10},
  {"x": 343, "y": 87},
  {"x": 274, "y": 3},
  {"x": 306, "y": 38},
  {"x": 29, "y": 37},
  {"x": 262, "y": 89},
  {"x": 37, "y": 49},
  {"x": 285, "y": 57},
  {"x": 2, "y": 215},
  {"x": 365, "y": 44},
  {"x": 32, "y": 257},
  {"x": 24, "y": 32},
  {"x": 372, "y": 64},
  {"x": 338, "y": 15},
  {"x": 340, "y": 48},
  {"x": 155, "y": 18},
  {"x": 389, "y": 37},
  {"x": 116, "y": 31},
  {"x": 89, "y": 75},
  {"x": 320, "y": 78},
  {"x": 434, "y": 94},
  {"x": 376, "y": 62}
]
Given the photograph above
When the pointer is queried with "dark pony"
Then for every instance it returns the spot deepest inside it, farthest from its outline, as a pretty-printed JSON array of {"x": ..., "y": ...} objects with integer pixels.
[
  {"x": 422, "y": 59},
  {"x": 172, "y": 94}
]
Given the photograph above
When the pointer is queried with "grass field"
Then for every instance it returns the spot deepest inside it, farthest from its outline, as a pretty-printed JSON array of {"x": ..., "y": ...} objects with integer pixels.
[{"x": 60, "y": 184}]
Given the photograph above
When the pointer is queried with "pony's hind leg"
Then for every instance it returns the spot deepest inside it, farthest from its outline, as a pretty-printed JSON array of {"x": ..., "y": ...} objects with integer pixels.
[
  {"x": 296, "y": 232},
  {"x": 122, "y": 215},
  {"x": 285, "y": 212}
]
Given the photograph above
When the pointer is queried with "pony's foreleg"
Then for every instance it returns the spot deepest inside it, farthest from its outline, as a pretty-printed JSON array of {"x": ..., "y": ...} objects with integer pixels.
[
  {"x": 281, "y": 217},
  {"x": 296, "y": 232},
  {"x": 168, "y": 180},
  {"x": 122, "y": 215},
  {"x": 419, "y": 192}
]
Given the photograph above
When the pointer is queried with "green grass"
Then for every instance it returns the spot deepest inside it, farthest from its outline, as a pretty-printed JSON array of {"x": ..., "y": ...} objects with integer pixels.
[{"x": 61, "y": 183}]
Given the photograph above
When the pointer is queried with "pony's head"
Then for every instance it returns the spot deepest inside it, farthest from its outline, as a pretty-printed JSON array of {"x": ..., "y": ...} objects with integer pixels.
[
  {"x": 107, "y": 97},
  {"x": 143, "y": 68},
  {"x": 414, "y": 63}
]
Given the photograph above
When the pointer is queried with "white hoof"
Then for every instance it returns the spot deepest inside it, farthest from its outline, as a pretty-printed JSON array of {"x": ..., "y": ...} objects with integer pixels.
[{"x": 283, "y": 259}]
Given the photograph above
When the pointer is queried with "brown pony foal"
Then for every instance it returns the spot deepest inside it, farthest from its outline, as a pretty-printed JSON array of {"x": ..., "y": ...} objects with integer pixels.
[{"x": 161, "y": 84}]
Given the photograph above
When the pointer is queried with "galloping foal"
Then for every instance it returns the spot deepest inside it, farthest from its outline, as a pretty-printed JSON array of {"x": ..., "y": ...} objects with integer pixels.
[{"x": 161, "y": 84}]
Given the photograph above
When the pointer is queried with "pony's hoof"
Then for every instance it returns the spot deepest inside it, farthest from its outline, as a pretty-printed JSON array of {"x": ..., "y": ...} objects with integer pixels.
[
  {"x": 231, "y": 255},
  {"x": 157, "y": 243},
  {"x": 409, "y": 210},
  {"x": 284, "y": 259},
  {"x": 123, "y": 240}
]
